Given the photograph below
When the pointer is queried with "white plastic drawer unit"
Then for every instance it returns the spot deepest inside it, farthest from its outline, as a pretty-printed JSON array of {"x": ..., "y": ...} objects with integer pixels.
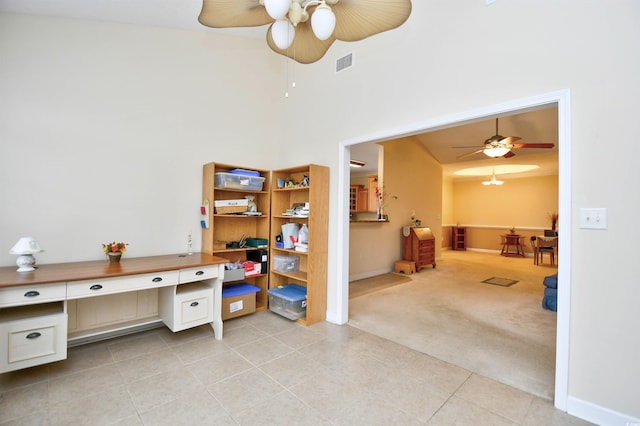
[
  {"x": 99, "y": 287},
  {"x": 198, "y": 274},
  {"x": 32, "y": 335},
  {"x": 31, "y": 294}
]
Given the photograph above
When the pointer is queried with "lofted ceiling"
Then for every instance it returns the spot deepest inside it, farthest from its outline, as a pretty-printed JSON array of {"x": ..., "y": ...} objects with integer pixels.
[{"x": 533, "y": 126}]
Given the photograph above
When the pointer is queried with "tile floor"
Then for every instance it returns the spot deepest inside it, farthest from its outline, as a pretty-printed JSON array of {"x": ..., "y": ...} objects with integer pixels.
[{"x": 267, "y": 370}]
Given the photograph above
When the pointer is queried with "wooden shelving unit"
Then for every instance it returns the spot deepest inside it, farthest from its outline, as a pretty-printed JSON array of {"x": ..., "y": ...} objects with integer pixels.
[
  {"x": 459, "y": 238},
  {"x": 225, "y": 228},
  {"x": 312, "y": 272}
]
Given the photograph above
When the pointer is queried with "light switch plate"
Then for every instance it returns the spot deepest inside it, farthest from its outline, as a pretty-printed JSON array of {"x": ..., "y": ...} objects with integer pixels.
[{"x": 593, "y": 218}]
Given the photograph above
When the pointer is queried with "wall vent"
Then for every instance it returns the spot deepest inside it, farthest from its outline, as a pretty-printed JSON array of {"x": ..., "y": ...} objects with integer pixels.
[{"x": 344, "y": 62}]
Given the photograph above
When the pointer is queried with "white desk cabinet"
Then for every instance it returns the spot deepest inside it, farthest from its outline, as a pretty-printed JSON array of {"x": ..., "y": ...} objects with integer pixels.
[{"x": 43, "y": 311}]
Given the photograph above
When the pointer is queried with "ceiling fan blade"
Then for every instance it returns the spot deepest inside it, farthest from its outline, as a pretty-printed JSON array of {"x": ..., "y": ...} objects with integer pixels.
[
  {"x": 509, "y": 140},
  {"x": 306, "y": 47},
  {"x": 509, "y": 154},
  {"x": 358, "y": 19},
  {"x": 468, "y": 154},
  {"x": 233, "y": 13},
  {"x": 533, "y": 145}
]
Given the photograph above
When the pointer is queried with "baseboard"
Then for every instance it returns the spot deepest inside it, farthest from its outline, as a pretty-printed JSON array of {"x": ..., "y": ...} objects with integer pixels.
[
  {"x": 596, "y": 414},
  {"x": 368, "y": 274}
]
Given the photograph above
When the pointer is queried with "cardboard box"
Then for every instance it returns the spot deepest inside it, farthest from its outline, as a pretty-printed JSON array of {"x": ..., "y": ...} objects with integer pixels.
[
  {"x": 238, "y": 300},
  {"x": 231, "y": 206},
  {"x": 233, "y": 274}
]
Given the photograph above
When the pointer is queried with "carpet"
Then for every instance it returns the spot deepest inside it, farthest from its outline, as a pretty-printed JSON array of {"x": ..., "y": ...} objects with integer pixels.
[
  {"x": 504, "y": 282},
  {"x": 379, "y": 282}
]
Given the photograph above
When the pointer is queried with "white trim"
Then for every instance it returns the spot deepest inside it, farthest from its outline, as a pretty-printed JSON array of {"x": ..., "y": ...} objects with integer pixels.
[
  {"x": 562, "y": 98},
  {"x": 598, "y": 414}
]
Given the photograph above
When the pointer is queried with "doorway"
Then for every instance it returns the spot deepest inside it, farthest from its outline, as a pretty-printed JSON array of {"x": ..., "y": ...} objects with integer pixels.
[{"x": 562, "y": 99}]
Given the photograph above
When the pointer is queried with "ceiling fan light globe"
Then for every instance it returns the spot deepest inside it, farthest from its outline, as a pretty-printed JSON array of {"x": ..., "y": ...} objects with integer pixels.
[
  {"x": 495, "y": 152},
  {"x": 277, "y": 9},
  {"x": 323, "y": 22},
  {"x": 282, "y": 33}
]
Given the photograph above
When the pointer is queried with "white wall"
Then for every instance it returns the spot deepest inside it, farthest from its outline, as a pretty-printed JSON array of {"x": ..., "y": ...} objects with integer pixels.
[
  {"x": 452, "y": 57},
  {"x": 104, "y": 130},
  {"x": 170, "y": 101}
]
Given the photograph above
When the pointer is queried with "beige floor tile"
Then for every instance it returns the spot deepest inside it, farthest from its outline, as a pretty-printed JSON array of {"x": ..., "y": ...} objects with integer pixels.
[
  {"x": 197, "y": 408},
  {"x": 283, "y": 409},
  {"x": 147, "y": 365},
  {"x": 245, "y": 390},
  {"x": 81, "y": 358},
  {"x": 458, "y": 412},
  {"x": 330, "y": 396},
  {"x": 270, "y": 323},
  {"x": 134, "y": 345},
  {"x": 23, "y": 401},
  {"x": 213, "y": 369},
  {"x": 38, "y": 418},
  {"x": 241, "y": 335},
  {"x": 102, "y": 408},
  {"x": 84, "y": 383},
  {"x": 298, "y": 337},
  {"x": 25, "y": 377},
  {"x": 171, "y": 338},
  {"x": 374, "y": 410},
  {"x": 263, "y": 350},
  {"x": 198, "y": 349},
  {"x": 163, "y": 388},
  {"x": 293, "y": 368},
  {"x": 496, "y": 397},
  {"x": 542, "y": 412}
]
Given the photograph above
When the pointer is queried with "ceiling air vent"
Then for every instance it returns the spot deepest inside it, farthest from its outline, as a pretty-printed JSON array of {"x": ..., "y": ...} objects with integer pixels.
[{"x": 344, "y": 62}]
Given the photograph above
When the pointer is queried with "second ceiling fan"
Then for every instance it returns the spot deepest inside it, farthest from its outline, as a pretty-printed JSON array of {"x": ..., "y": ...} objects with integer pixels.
[{"x": 501, "y": 146}]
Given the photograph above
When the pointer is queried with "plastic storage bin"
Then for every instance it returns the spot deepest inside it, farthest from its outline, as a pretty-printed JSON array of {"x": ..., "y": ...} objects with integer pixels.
[
  {"x": 289, "y": 300},
  {"x": 237, "y": 181},
  {"x": 286, "y": 263}
]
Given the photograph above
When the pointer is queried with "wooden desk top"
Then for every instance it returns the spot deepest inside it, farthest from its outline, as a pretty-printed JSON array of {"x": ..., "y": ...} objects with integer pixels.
[{"x": 76, "y": 271}]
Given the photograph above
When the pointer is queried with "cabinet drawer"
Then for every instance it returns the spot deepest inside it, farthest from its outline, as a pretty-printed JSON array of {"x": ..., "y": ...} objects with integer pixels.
[
  {"x": 198, "y": 274},
  {"x": 29, "y": 294},
  {"x": 188, "y": 306},
  {"x": 30, "y": 338},
  {"x": 89, "y": 288}
]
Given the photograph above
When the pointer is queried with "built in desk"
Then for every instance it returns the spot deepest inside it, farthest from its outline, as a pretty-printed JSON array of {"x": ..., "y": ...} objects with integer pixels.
[{"x": 59, "y": 305}]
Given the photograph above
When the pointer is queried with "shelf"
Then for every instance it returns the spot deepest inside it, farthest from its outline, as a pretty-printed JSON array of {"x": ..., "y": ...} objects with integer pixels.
[{"x": 294, "y": 275}]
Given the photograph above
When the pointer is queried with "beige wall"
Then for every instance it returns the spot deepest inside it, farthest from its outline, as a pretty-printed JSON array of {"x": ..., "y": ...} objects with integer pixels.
[{"x": 413, "y": 183}]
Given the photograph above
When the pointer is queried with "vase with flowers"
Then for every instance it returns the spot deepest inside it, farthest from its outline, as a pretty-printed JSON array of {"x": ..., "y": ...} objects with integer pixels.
[
  {"x": 114, "y": 250},
  {"x": 554, "y": 220}
]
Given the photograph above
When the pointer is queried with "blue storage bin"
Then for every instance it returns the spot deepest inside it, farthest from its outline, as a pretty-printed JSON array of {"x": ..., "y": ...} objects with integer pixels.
[{"x": 289, "y": 300}]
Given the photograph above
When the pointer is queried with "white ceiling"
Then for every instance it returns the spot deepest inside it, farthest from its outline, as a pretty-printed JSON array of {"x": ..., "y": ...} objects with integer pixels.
[
  {"x": 178, "y": 14},
  {"x": 532, "y": 126},
  {"x": 537, "y": 126}
]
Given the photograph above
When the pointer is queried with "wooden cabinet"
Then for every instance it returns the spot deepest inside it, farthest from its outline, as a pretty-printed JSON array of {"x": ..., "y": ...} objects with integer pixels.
[
  {"x": 226, "y": 228},
  {"x": 358, "y": 198},
  {"x": 459, "y": 238},
  {"x": 312, "y": 265},
  {"x": 418, "y": 245},
  {"x": 371, "y": 192}
]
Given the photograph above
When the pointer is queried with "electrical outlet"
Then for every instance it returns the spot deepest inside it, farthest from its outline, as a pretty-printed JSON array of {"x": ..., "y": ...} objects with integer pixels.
[{"x": 591, "y": 218}]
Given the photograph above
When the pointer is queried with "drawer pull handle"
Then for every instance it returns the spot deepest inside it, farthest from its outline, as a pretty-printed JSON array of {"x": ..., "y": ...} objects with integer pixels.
[
  {"x": 33, "y": 335},
  {"x": 194, "y": 304},
  {"x": 32, "y": 293},
  {"x": 200, "y": 273},
  {"x": 95, "y": 287},
  {"x": 157, "y": 279}
]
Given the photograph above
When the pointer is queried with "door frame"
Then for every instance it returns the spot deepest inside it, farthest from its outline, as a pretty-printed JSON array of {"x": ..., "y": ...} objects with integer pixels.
[{"x": 563, "y": 100}]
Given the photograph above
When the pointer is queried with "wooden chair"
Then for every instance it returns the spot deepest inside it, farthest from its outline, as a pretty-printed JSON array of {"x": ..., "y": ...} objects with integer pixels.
[
  {"x": 547, "y": 245},
  {"x": 534, "y": 249}
]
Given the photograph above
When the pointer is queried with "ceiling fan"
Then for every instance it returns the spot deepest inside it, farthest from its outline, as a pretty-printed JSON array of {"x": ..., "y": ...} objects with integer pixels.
[
  {"x": 501, "y": 146},
  {"x": 303, "y": 30}
]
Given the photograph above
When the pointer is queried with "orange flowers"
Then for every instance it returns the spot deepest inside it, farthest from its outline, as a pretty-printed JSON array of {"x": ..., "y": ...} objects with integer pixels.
[{"x": 114, "y": 247}]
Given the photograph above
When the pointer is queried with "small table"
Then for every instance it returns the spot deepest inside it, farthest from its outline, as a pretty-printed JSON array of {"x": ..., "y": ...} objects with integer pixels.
[{"x": 515, "y": 241}]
